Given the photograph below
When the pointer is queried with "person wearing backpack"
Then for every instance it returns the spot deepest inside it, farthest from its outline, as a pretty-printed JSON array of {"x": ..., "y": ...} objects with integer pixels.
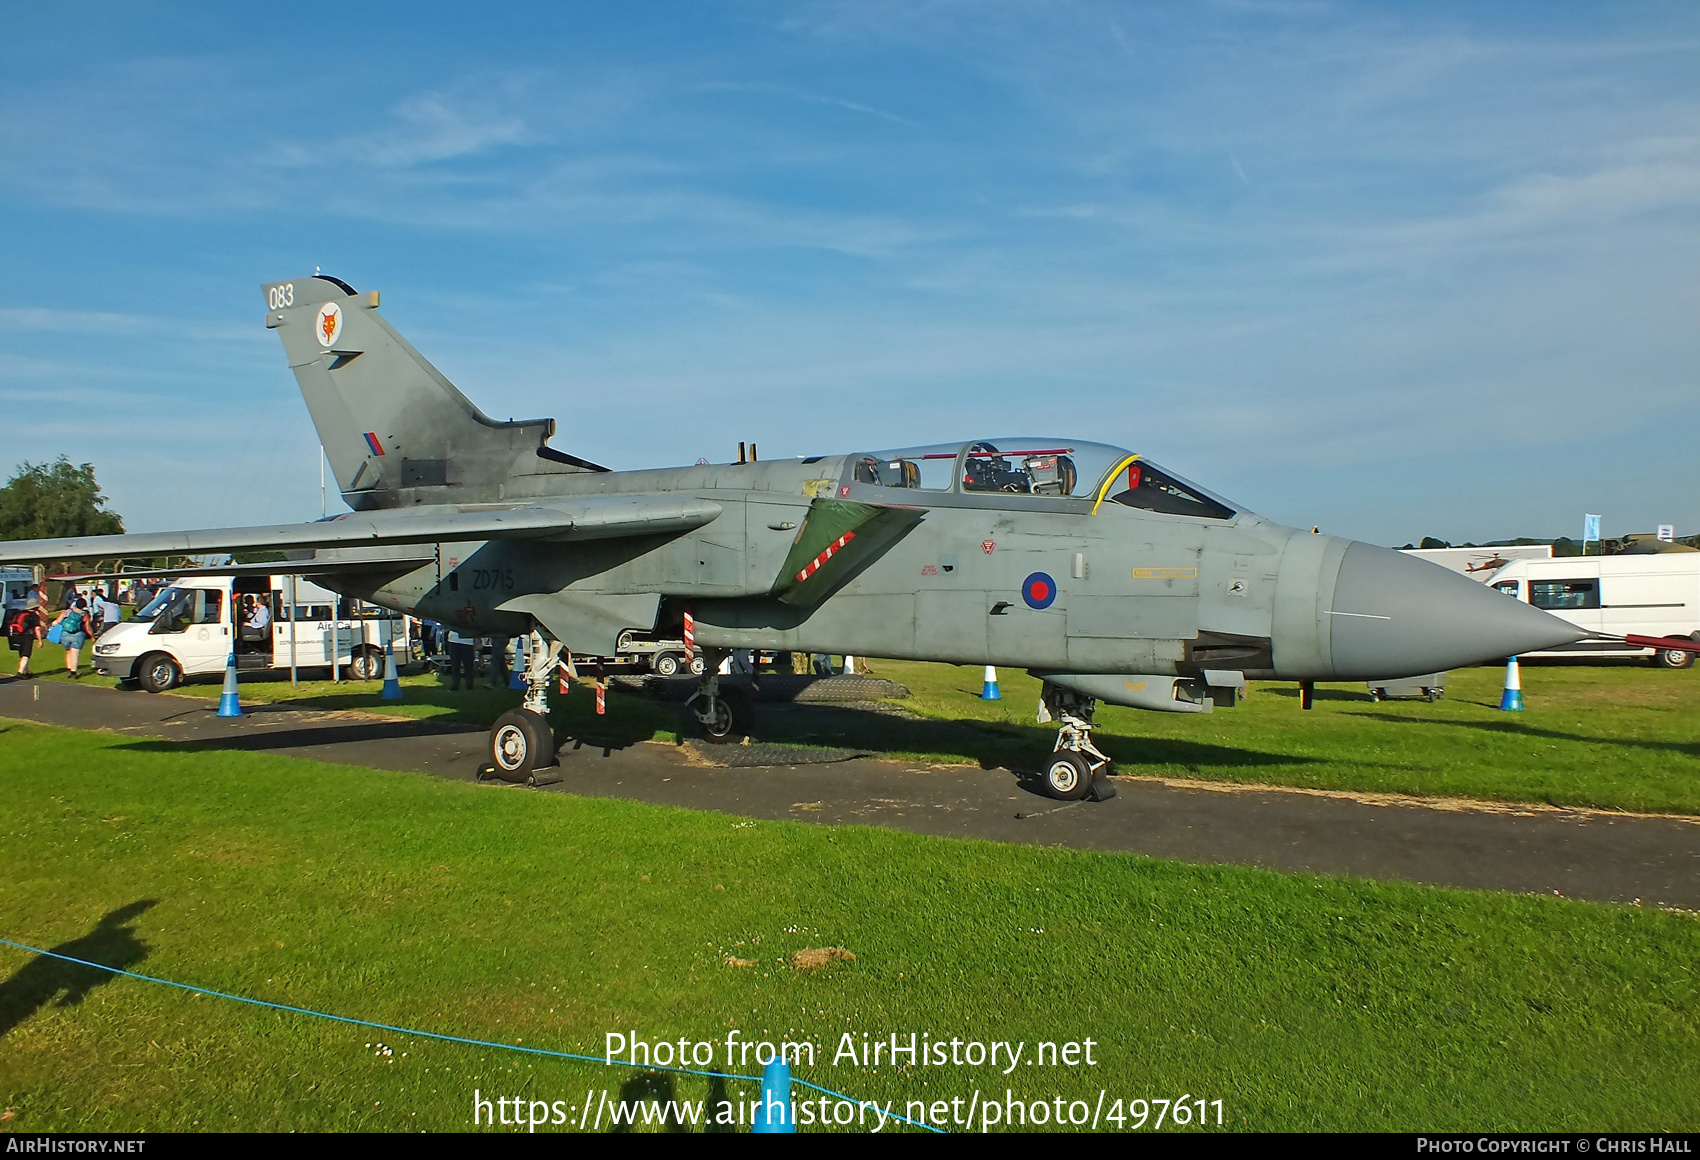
[
  {"x": 22, "y": 632},
  {"x": 74, "y": 632}
]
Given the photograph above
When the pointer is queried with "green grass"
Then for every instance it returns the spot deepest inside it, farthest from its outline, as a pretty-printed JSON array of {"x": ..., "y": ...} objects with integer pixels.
[
  {"x": 1602, "y": 736},
  {"x": 1302, "y": 1002}
]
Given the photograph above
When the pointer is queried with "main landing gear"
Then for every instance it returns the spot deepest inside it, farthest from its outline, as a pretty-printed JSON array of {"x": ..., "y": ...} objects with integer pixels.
[
  {"x": 522, "y": 744},
  {"x": 722, "y": 713},
  {"x": 1077, "y": 771}
]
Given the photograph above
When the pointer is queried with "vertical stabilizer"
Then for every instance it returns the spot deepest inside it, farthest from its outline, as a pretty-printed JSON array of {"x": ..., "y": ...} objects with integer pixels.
[{"x": 394, "y": 429}]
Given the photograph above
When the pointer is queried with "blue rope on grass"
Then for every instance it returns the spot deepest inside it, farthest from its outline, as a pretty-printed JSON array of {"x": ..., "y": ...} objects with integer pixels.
[{"x": 756, "y": 1079}]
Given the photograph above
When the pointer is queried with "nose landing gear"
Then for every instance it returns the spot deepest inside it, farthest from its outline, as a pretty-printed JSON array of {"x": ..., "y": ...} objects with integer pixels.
[
  {"x": 722, "y": 714},
  {"x": 1077, "y": 770}
]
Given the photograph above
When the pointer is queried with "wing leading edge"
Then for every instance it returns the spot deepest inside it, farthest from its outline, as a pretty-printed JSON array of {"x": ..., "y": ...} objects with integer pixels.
[{"x": 558, "y": 519}]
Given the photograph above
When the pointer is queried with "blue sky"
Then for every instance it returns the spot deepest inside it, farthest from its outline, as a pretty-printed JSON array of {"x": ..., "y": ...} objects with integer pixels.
[{"x": 1392, "y": 269}]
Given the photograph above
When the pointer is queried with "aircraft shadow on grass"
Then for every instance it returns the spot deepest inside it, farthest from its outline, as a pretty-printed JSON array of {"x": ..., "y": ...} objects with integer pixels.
[
  {"x": 42, "y": 980},
  {"x": 1519, "y": 729},
  {"x": 1318, "y": 694}
]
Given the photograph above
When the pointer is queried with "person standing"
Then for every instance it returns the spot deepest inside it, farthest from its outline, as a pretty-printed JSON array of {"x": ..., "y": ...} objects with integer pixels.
[
  {"x": 74, "y": 633},
  {"x": 110, "y": 613},
  {"x": 23, "y": 630},
  {"x": 460, "y": 659},
  {"x": 498, "y": 662}
]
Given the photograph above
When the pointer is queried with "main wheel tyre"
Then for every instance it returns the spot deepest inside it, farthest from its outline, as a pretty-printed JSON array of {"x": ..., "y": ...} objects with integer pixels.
[
  {"x": 667, "y": 665},
  {"x": 366, "y": 665},
  {"x": 1068, "y": 777},
  {"x": 157, "y": 672},
  {"x": 727, "y": 717},
  {"x": 1673, "y": 658},
  {"x": 521, "y": 741}
]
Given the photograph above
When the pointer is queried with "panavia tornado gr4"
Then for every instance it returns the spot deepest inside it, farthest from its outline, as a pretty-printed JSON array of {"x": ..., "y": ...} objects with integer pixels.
[{"x": 1105, "y": 575}]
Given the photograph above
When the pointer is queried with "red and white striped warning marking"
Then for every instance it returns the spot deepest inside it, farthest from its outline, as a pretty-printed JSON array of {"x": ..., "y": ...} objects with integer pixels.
[
  {"x": 813, "y": 566},
  {"x": 601, "y": 697},
  {"x": 690, "y": 637},
  {"x": 565, "y": 688}
]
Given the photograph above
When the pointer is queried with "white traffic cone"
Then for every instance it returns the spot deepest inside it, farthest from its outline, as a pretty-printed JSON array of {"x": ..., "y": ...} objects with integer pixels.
[
  {"x": 849, "y": 665},
  {"x": 392, "y": 679},
  {"x": 990, "y": 691},
  {"x": 1511, "y": 701},
  {"x": 228, "y": 705}
]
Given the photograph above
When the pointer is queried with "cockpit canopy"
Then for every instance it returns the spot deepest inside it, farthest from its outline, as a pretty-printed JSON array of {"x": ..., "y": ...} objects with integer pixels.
[{"x": 1056, "y": 468}]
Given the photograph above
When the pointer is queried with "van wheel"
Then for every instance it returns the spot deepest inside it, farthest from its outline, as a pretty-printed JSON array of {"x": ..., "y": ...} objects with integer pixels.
[
  {"x": 520, "y": 741},
  {"x": 157, "y": 672},
  {"x": 698, "y": 666},
  {"x": 667, "y": 665},
  {"x": 1673, "y": 658},
  {"x": 366, "y": 665}
]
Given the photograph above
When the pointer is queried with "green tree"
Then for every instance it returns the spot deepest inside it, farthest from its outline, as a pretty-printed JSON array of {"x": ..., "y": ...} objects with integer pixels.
[{"x": 50, "y": 501}]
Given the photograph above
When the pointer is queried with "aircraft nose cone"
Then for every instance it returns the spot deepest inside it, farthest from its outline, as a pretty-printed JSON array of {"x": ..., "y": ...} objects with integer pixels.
[{"x": 1394, "y": 615}]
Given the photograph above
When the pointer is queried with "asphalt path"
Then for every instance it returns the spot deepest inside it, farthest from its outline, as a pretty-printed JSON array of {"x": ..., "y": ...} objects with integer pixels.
[{"x": 1602, "y": 856}]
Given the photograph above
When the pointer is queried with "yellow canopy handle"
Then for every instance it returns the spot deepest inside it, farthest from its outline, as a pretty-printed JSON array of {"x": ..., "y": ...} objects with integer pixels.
[{"x": 1104, "y": 488}]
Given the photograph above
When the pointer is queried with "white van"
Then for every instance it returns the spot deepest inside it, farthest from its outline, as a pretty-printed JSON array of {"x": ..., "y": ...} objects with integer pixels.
[
  {"x": 1657, "y": 594},
  {"x": 191, "y": 627}
]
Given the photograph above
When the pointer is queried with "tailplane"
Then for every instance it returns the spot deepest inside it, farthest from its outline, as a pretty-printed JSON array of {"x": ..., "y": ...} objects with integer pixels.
[{"x": 394, "y": 429}]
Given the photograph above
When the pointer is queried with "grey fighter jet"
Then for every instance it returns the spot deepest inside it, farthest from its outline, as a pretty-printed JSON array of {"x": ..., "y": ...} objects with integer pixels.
[{"x": 1105, "y": 575}]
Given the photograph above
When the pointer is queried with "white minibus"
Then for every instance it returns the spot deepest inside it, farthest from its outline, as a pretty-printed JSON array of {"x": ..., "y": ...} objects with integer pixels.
[{"x": 192, "y": 627}]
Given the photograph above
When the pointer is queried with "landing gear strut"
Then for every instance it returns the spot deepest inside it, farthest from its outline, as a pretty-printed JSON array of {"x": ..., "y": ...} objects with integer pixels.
[
  {"x": 721, "y": 714},
  {"x": 522, "y": 744},
  {"x": 1077, "y": 770}
]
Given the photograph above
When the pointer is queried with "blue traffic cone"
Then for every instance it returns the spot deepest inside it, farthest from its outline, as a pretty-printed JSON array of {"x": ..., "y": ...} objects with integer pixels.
[
  {"x": 228, "y": 705},
  {"x": 990, "y": 691},
  {"x": 1512, "y": 699},
  {"x": 514, "y": 681},
  {"x": 392, "y": 679},
  {"x": 774, "y": 1114}
]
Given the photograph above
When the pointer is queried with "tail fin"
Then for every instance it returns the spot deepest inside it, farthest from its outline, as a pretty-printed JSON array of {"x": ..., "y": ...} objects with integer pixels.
[{"x": 395, "y": 430}]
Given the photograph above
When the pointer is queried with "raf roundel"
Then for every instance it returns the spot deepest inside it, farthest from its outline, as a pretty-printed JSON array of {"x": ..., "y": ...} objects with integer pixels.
[
  {"x": 1039, "y": 590},
  {"x": 329, "y": 324}
]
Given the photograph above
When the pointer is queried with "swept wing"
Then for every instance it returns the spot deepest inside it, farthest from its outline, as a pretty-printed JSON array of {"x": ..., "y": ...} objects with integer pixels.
[{"x": 557, "y": 519}]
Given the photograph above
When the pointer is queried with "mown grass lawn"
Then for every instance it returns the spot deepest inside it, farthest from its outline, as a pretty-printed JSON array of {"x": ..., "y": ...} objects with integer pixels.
[
  {"x": 1302, "y": 1002},
  {"x": 1617, "y": 736}
]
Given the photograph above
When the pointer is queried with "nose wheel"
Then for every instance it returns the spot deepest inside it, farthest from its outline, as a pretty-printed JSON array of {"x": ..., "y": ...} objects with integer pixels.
[{"x": 1077, "y": 770}]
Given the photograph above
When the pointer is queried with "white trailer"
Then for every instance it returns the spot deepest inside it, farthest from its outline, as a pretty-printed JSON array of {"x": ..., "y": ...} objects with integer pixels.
[
  {"x": 1655, "y": 594},
  {"x": 192, "y": 626}
]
